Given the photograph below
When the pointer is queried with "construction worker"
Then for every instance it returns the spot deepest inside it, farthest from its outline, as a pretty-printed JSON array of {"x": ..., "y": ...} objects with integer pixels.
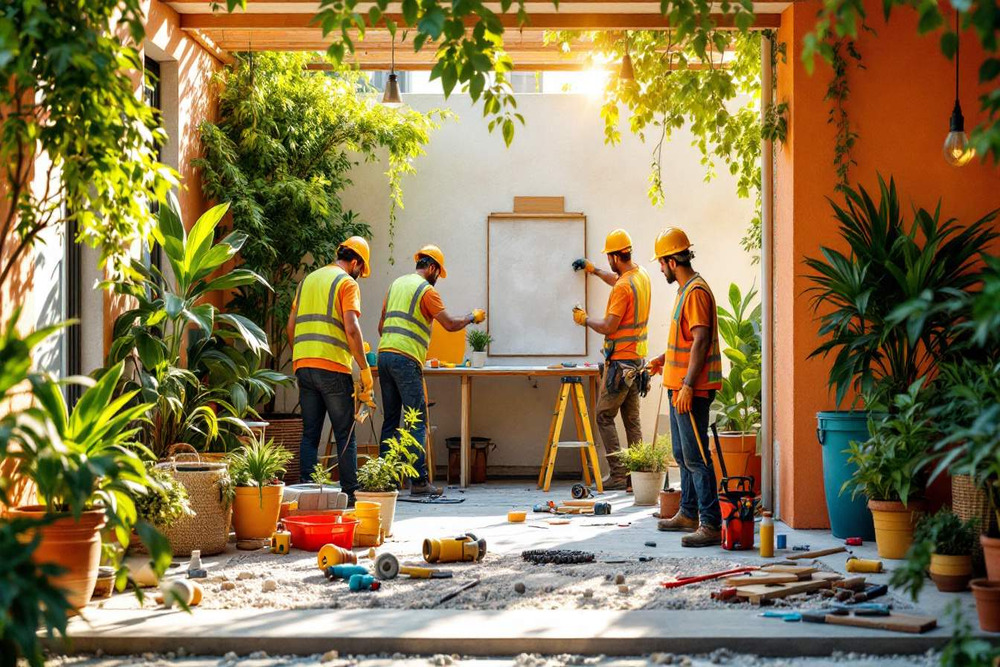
[
  {"x": 325, "y": 334},
  {"x": 410, "y": 306},
  {"x": 692, "y": 373},
  {"x": 624, "y": 328}
]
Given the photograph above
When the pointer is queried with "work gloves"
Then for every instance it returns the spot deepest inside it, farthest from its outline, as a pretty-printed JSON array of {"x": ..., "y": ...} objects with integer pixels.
[
  {"x": 655, "y": 366},
  {"x": 584, "y": 264},
  {"x": 580, "y": 316},
  {"x": 366, "y": 394},
  {"x": 478, "y": 315}
]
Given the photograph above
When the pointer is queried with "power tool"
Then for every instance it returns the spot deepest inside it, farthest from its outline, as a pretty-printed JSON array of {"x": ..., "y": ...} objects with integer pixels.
[{"x": 464, "y": 548}]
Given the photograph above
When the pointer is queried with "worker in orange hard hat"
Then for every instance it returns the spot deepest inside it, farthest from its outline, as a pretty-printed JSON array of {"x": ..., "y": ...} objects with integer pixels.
[
  {"x": 692, "y": 373},
  {"x": 624, "y": 327},
  {"x": 324, "y": 341},
  {"x": 411, "y": 305}
]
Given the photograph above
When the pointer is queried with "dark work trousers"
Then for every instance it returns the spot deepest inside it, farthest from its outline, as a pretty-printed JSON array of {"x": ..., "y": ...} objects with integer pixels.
[
  {"x": 401, "y": 380},
  {"x": 322, "y": 393},
  {"x": 689, "y": 436}
]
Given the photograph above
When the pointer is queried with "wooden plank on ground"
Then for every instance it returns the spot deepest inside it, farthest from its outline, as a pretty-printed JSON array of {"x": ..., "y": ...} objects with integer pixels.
[
  {"x": 895, "y": 622},
  {"x": 775, "y": 578},
  {"x": 757, "y": 593},
  {"x": 800, "y": 570},
  {"x": 817, "y": 554}
]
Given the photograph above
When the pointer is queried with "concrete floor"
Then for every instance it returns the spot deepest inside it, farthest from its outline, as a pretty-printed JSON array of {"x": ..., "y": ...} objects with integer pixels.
[{"x": 512, "y": 632}]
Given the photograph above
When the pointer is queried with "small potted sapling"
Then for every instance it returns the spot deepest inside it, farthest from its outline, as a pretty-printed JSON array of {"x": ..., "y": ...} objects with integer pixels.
[
  {"x": 321, "y": 496},
  {"x": 942, "y": 545},
  {"x": 380, "y": 477},
  {"x": 255, "y": 468},
  {"x": 647, "y": 463},
  {"x": 479, "y": 340}
]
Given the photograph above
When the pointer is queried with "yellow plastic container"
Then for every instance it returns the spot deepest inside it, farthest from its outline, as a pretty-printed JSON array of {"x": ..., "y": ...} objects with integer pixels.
[
  {"x": 767, "y": 536},
  {"x": 368, "y": 532},
  {"x": 516, "y": 516}
]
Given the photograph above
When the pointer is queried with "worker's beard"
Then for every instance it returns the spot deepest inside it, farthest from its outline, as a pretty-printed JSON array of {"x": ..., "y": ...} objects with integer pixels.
[
  {"x": 357, "y": 271},
  {"x": 432, "y": 277},
  {"x": 669, "y": 275}
]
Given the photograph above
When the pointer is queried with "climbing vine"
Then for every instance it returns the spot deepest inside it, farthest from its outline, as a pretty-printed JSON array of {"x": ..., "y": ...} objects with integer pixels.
[{"x": 843, "y": 52}]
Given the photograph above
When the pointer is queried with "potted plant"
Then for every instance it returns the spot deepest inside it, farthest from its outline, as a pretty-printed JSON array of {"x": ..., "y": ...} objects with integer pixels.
[
  {"x": 888, "y": 469},
  {"x": 738, "y": 403},
  {"x": 479, "y": 340},
  {"x": 857, "y": 292},
  {"x": 319, "y": 496},
  {"x": 647, "y": 464},
  {"x": 380, "y": 477},
  {"x": 942, "y": 545},
  {"x": 255, "y": 469}
]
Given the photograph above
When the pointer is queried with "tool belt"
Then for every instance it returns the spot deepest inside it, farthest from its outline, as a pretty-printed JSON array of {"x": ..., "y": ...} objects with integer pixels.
[{"x": 624, "y": 373}]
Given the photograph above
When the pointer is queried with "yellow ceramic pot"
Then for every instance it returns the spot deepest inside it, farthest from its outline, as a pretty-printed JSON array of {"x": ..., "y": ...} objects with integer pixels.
[
  {"x": 894, "y": 523},
  {"x": 951, "y": 574},
  {"x": 255, "y": 511}
]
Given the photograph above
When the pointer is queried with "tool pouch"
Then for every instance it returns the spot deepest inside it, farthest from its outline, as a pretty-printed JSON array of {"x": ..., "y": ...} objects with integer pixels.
[{"x": 644, "y": 382}]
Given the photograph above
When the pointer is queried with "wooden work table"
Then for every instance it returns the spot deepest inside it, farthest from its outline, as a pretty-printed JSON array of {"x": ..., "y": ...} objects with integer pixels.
[{"x": 466, "y": 374}]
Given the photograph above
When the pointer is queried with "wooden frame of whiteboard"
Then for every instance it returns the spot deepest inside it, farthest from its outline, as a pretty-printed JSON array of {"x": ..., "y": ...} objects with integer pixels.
[{"x": 536, "y": 216}]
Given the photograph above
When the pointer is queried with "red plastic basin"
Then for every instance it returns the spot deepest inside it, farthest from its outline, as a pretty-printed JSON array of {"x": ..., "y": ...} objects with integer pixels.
[{"x": 311, "y": 531}]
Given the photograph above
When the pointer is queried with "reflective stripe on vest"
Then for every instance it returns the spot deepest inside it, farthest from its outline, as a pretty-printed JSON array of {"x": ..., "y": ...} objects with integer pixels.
[
  {"x": 319, "y": 327},
  {"x": 678, "y": 354},
  {"x": 635, "y": 330},
  {"x": 405, "y": 329}
]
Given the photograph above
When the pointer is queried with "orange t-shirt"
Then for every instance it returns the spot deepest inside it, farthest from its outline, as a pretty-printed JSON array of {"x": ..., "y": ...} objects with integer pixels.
[
  {"x": 621, "y": 303},
  {"x": 350, "y": 299},
  {"x": 697, "y": 311},
  {"x": 431, "y": 306}
]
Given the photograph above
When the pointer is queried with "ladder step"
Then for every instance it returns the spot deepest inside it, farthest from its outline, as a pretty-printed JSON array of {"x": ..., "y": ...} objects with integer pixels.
[{"x": 573, "y": 444}]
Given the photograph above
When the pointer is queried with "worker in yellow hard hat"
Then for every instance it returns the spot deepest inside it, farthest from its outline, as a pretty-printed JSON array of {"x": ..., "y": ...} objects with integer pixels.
[
  {"x": 324, "y": 340},
  {"x": 624, "y": 327},
  {"x": 692, "y": 373},
  {"x": 410, "y": 307}
]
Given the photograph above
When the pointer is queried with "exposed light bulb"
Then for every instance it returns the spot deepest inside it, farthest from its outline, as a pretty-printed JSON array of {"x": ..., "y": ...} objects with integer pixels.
[{"x": 957, "y": 151}]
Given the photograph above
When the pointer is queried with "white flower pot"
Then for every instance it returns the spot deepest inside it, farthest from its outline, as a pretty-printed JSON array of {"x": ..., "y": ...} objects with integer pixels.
[
  {"x": 646, "y": 487},
  {"x": 478, "y": 359}
]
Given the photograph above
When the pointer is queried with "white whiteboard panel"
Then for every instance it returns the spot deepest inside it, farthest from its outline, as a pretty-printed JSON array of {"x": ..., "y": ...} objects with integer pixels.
[{"x": 533, "y": 287}]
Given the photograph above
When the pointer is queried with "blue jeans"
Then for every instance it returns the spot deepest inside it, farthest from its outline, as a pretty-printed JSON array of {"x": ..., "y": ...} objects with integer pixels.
[
  {"x": 401, "y": 380},
  {"x": 689, "y": 436},
  {"x": 322, "y": 393}
]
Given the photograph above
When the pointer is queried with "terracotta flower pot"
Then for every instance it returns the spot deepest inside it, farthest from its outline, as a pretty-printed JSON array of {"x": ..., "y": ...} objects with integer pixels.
[
  {"x": 739, "y": 451},
  {"x": 254, "y": 517},
  {"x": 387, "y": 500},
  {"x": 987, "y": 594},
  {"x": 991, "y": 554},
  {"x": 646, "y": 486},
  {"x": 73, "y": 544},
  {"x": 951, "y": 574},
  {"x": 894, "y": 524},
  {"x": 670, "y": 502}
]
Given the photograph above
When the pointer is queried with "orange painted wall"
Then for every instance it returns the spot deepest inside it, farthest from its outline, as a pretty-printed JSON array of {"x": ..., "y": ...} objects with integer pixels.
[{"x": 900, "y": 105}]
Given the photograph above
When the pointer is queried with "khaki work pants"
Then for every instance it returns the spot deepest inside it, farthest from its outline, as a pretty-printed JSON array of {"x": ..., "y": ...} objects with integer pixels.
[{"x": 609, "y": 403}]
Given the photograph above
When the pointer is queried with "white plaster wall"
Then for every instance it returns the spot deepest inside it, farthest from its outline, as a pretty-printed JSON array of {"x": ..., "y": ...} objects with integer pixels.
[{"x": 469, "y": 173}]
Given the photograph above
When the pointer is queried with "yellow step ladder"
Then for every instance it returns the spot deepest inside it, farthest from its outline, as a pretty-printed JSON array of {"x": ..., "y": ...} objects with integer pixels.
[{"x": 572, "y": 389}]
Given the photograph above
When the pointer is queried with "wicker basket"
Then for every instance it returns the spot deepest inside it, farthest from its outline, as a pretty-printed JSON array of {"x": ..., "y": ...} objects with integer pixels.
[
  {"x": 286, "y": 430},
  {"x": 208, "y": 529},
  {"x": 968, "y": 502}
]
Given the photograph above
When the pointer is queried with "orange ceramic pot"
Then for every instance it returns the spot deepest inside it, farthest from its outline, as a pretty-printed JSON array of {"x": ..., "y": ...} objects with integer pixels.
[{"x": 256, "y": 510}]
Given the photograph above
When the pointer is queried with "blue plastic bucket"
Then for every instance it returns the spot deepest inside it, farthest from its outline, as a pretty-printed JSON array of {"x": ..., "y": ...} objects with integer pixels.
[{"x": 835, "y": 431}]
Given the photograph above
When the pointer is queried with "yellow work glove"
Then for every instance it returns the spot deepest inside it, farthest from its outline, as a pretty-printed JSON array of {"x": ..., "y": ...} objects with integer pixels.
[
  {"x": 583, "y": 263},
  {"x": 366, "y": 395},
  {"x": 367, "y": 348},
  {"x": 580, "y": 316},
  {"x": 478, "y": 315}
]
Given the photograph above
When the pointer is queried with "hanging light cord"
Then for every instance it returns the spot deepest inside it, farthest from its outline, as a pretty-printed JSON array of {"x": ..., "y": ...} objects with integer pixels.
[{"x": 957, "y": 42}]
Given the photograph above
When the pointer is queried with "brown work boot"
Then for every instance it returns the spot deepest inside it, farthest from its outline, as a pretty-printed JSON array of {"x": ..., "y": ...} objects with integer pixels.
[
  {"x": 617, "y": 482},
  {"x": 705, "y": 536},
  {"x": 679, "y": 523}
]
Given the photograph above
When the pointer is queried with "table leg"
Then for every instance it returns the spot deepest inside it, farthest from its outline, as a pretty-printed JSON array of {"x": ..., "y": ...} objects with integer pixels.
[{"x": 466, "y": 449}]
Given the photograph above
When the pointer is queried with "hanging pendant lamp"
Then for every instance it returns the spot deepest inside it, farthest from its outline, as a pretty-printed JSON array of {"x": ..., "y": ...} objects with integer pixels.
[
  {"x": 391, "y": 97},
  {"x": 957, "y": 151},
  {"x": 626, "y": 73}
]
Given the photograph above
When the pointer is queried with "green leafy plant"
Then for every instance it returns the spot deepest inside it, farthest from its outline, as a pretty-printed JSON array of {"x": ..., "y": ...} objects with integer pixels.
[
  {"x": 887, "y": 264},
  {"x": 478, "y": 339},
  {"x": 647, "y": 456},
  {"x": 281, "y": 155},
  {"x": 965, "y": 649},
  {"x": 942, "y": 533},
  {"x": 387, "y": 472},
  {"x": 258, "y": 463},
  {"x": 28, "y": 599},
  {"x": 739, "y": 401},
  {"x": 204, "y": 396},
  {"x": 321, "y": 475},
  {"x": 165, "y": 502},
  {"x": 889, "y": 463}
]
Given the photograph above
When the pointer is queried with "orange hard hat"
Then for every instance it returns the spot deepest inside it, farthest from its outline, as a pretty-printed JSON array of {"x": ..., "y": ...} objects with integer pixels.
[
  {"x": 671, "y": 241},
  {"x": 360, "y": 246},
  {"x": 434, "y": 253},
  {"x": 617, "y": 241}
]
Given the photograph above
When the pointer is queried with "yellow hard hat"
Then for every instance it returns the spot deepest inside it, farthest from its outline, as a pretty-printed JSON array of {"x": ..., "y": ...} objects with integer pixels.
[
  {"x": 434, "y": 253},
  {"x": 671, "y": 241},
  {"x": 617, "y": 241},
  {"x": 360, "y": 246}
]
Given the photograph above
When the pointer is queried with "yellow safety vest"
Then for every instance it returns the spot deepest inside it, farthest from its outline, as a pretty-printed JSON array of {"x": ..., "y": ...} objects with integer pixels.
[
  {"x": 405, "y": 329},
  {"x": 634, "y": 330},
  {"x": 319, "y": 327}
]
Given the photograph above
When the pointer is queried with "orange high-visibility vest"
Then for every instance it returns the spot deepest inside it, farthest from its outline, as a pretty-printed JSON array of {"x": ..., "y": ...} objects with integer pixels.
[
  {"x": 630, "y": 339},
  {"x": 679, "y": 344}
]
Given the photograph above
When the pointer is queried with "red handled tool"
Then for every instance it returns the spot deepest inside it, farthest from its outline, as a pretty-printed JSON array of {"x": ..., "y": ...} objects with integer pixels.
[{"x": 684, "y": 581}]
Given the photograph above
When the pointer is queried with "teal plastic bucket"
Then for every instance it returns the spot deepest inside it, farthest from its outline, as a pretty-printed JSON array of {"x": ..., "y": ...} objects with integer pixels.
[{"x": 835, "y": 431}]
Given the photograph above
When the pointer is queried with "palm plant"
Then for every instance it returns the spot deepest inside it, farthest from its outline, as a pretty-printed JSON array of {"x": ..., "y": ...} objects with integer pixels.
[
  {"x": 258, "y": 463},
  {"x": 739, "y": 401},
  {"x": 879, "y": 354}
]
